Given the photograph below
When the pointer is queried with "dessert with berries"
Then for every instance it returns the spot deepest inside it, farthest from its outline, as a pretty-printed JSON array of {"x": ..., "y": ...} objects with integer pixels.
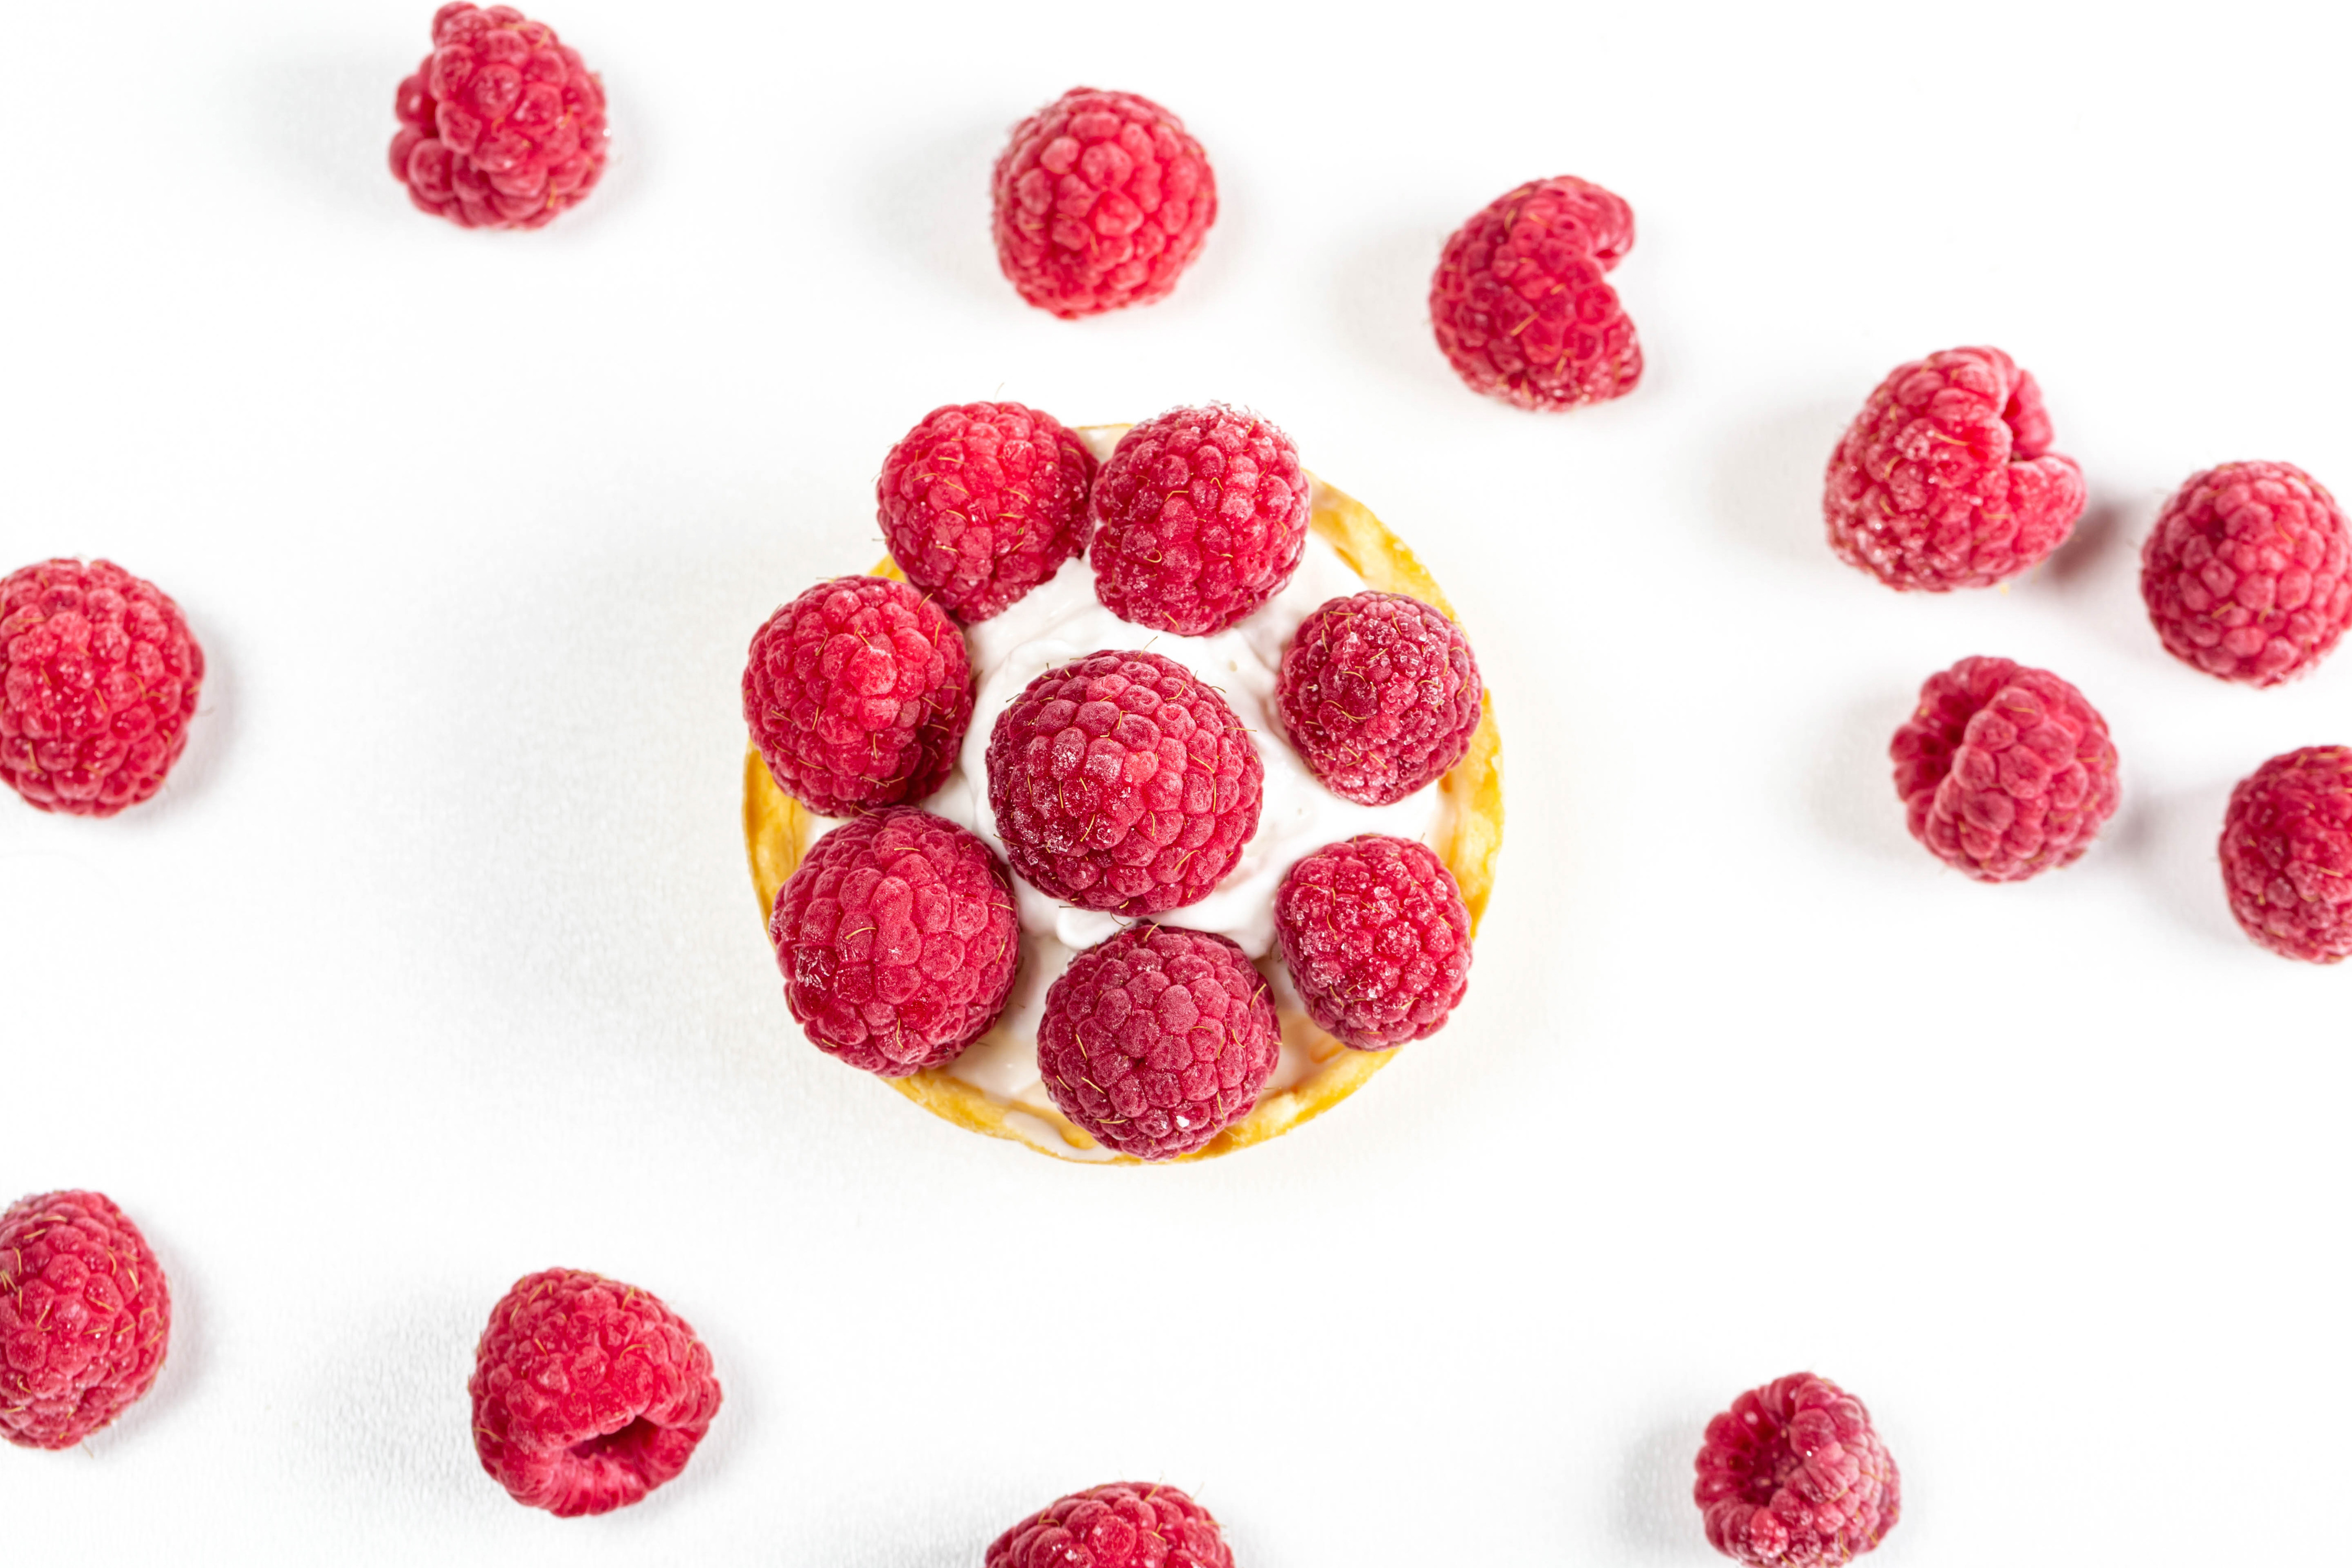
[
  {"x": 1125, "y": 1524},
  {"x": 85, "y": 1317}
]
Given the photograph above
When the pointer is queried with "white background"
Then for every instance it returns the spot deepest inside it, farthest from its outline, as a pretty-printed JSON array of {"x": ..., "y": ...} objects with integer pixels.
[{"x": 438, "y": 961}]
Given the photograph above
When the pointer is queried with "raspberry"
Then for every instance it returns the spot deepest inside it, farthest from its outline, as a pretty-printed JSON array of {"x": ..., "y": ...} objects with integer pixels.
[
  {"x": 1102, "y": 200},
  {"x": 99, "y": 677},
  {"x": 2248, "y": 575},
  {"x": 1204, "y": 515},
  {"x": 1946, "y": 479},
  {"x": 502, "y": 126},
  {"x": 588, "y": 1393},
  {"x": 1158, "y": 1039},
  {"x": 858, "y": 693},
  {"x": 1377, "y": 939},
  {"x": 1519, "y": 303},
  {"x": 2286, "y": 854},
  {"x": 982, "y": 501},
  {"x": 1126, "y": 1524},
  {"x": 1381, "y": 695},
  {"x": 898, "y": 937},
  {"x": 1123, "y": 783},
  {"x": 2005, "y": 772},
  {"x": 1792, "y": 1476},
  {"x": 85, "y": 1317}
]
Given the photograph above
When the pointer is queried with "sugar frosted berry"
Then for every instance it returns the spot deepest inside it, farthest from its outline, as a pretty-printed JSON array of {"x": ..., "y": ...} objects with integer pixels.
[
  {"x": 2248, "y": 573},
  {"x": 1377, "y": 939},
  {"x": 1126, "y": 1524},
  {"x": 2005, "y": 772},
  {"x": 1102, "y": 200},
  {"x": 1202, "y": 517},
  {"x": 502, "y": 126},
  {"x": 1379, "y": 694},
  {"x": 982, "y": 501},
  {"x": 857, "y": 694},
  {"x": 85, "y": 1317},
  {"x": 2286, "y": 854},
  {"x": 1946, "y": 479},
  {"x": 99, "y": 677},
  {"x": 1793, "y": 1477},
  {"x": 1521, "y": 303},
  {"x": 588, "y": 1393}
]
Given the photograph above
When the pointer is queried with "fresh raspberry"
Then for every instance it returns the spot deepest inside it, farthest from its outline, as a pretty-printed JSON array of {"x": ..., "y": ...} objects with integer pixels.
[
  {"x": 588, "y": 1393},
  {"x": 1102, "y": 200},
  {"x": 501, "y": 127},
  {"x": 1379, "y": 694},
  {"x": 1377, "y": 939},
  {"x": 1946, "y": 479},
  {"x": 1126, "y": 1524},
  {"x": 982, "y": 501},
  {"x": 2248, "y": 572},
  {"x": 2005, "y": 772},
  {"x": 1792, "y": 1476},
  {"x": 2286, "y": 854},
  {"x": 858, "y": 693},
  {"x": 99, "y": 677},
  {"x": 85, "y": 1317},
  {"x": 1124, "y": 782},
  {"x": 1519, "y": 302},
  {"x": 1204, "y": 515}
]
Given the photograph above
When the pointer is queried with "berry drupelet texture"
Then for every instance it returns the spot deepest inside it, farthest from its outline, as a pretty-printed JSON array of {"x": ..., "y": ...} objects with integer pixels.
[
  {"x": 982, "y": 501},
  {"x": 1377, "y": 938},
  {"x": 1126, "y": 1524},
  {"x": 1793, "y": 1477},
  {"x": 1202, "y": 516},
  {"x": 2286, "y": 854},
  {"x": 1521, "y": 302},
  {"x": 502, "y": 126},
  {"x": 1379, "y": 694},
  {"x": 2248, "y": 573},
  {"x": 85, "y": 1317}
]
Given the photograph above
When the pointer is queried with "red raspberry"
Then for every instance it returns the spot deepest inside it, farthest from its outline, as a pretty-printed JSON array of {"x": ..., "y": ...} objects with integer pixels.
[
  {"x": 858, "y": 693},
  {"x": 1381, "y": 695},
  {"x": 1123, "y": 783},
  {"x": 1127, "y": 1524},
  {"x": 85, "y": 1317},
  {"x": 1377, "y": 939},
  {"x": 502, "y": 126},
  {"x": 1946, "y": 479},
  {"x": 1792, "y": 1476},
  {"x": 1102, "y": 200},
  {"x": 2286, "y": 854},
  {"x": 1204, "y": 515},
  {"x": 99, "y": 677},
  {"x": 898, "y": 937},
  {"x": 1521, "y": 307},
  {"x": 588, "y": 1393},
  {"x": 982, "y": 501},
  {"x": 2248, "y": 572},
  {"x": 2005, "y": 772}
]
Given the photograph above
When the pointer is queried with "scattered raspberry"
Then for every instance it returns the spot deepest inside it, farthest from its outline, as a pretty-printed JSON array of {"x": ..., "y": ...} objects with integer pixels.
[
  {"x": 2286, "y": 854},
  {"x": 501, "y": 127},
  {"x": 588, "y": 1393},
  {"x": 982, "y": 501},
  {"x": 1102, "y": 200},
  {"x": 1123, "y": 783},
  {"x": 1204, "y": 515},
  {"x": 1945, "y": 479},
  {"x": 99, "y": 677},
  {"x": 858, "y": 693},
  {"x": 1127, "y": 1524},
  {"x": 1379, "y": 694},
  {"x": 85, "y": 1317},
  {"x": 1377, "y": 939},
  {"x": 1792, "y": 1476},
  {"x": 2248, "y": 572},
  {"x": 1519, "y": 302},
  {"x": 2005, "y": 772}
]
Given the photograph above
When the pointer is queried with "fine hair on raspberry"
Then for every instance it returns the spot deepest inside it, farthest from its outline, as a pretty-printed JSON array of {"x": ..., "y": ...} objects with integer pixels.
[
  {"x": 1521, "y": 302},
  {"x": 2248, "y": 572},
  {"x": 982, "y": 501},
  {"x": 502, "y": 126},
  {"x": 1124, "y": 1524},
  {"x": 2286, "y": 854},
  {"x": 1793, "y": 1476},
  {"x": 85, "y": 1317},
  {"x": 1377, "y": 939},
  {"x": 1379, "y": 694}
]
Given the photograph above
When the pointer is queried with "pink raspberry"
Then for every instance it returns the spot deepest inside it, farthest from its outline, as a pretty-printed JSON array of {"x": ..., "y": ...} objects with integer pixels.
[
  {"x": 1102, "y": 200},
  {"x": 1379, "y": 694},
  {"x": 1377, "y": 939},
  {"x": 2286, "y": 854},
  {"x": 1520, "y": 303},
  {"x": 99, "y": 677},
  {"x": 502, "y": 126},
  {"x": 85, "y": 1317},
  {"x": 1203, "y": 518},
  {"x": 2005, "y": 772},
  {"x": 982, "y": 501},
  {"x": 1946, "y": 479},
  {"x": 858, "y": 693},
  {"x": 1158, "y": 1039},
  {"x": 1127, "y": 1524},
  {"x": 2248, "y": 575},
  {"x": 1792, "y": 1476},
  {"x": 588, "y": 1393},
  {"x": 1123, "y": 783}
]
